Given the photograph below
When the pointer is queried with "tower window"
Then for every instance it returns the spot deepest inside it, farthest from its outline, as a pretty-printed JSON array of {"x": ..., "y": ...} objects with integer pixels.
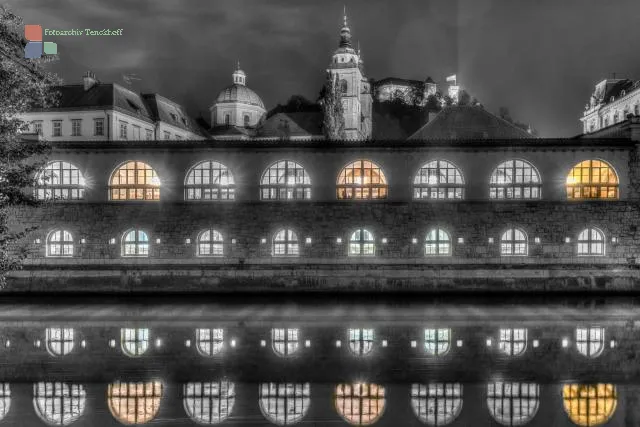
[
  {"x": 247, "y": 120},
  {"x": 344, "y": 86}
]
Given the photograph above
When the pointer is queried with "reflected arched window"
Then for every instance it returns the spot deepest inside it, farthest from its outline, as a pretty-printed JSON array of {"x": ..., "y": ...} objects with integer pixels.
[
  {"x": 134, "y": 341},
  {"x": 134, "y": 403},
  {"x": 591, "y": 242},
  {"x": 58, "y": 403},
  {"x": 512, "y": 342},
  {"x": 209, "y": 402},
  {"x": 135, "y": 243},
  {"x": 209, "y": 180},
  {"x": 361, "y": 341},
  {"x": 514, "y": 243},
  {"x": 134, "y": 181},
  {"x": 592, "y": 179},
  {"x": 285, "y": 180},
  {"x": 285, "y": 342},
  {"x": 285, "y": 243},
  {"x": 284, "y": 403},
  {"x": 437, "y": 342},
  {"x": 60, "y": 244},
  {"x": 515, "y": 179},
  {"x": 5, "y": 399},
  {"x": 512, "y": 403},
  {"x": 362, "y": 242},
  {"x": 590, "y": 341},
  {"x": 589, "y": 404},
  {"x": 438, "y": 179},
  {"x": 360, "y": 404},
  {"x": 59, "y": 341},
  {"x": 360, "y": 180},
  {"x": 59, "y": 180},
  {"x": 436, "y": 404},
  {"x": 438, "y": 243},
  {"x": 210, "y": 243},
  {"x": 209, "y": 342}
]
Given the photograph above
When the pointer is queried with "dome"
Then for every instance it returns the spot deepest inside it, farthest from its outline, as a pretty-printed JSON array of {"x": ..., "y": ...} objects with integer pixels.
[{"x": 241, "y": 94}]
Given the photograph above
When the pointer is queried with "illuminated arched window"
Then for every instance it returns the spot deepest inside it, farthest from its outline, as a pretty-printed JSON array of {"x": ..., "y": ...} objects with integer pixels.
[
  {"x": 512, "y": 403},
  {"x": 210, "y": 243},
  {"x": 209, "y": 342},
  {"x": 362, "y": 243},
  {"x": 438, "y": 179},
  {"x": 285, "y": 341},
  {"x": 438, "y": 243},
  {"x": 59, "y": 180},
  {"x": 209, "y": 180},
  {"x": 515, "y": 179},
  {"x": 59, "y": 341},
  {"x": 5, "y": 399},
  {"x": 514, "y": 243},
  {"x": 436, "y": 404},
  {"x": 590, "y": 341},
  {"x": 513, "y": 342},
  {"x": 284, "y": 403},
  {"x": 134, "y": 181},
  {"x": 60, "y": 244},
  {"x": 589, "y": 404},
  {"x": 134, "y": 341},
  {"x": 437, "y": 342},
  {"x": 134, "y": 403},
  {"x": 285, "y": 243},
  {"x": 360, "y": 404},
  {"x": 285, "y": 180},
  {"x": 361, "y": 341},
  {"x": 135, "y": 243},
  {"x": 59, "y": 403},
  {"x": 592, "y": 179},
  {"x": 591, "y": 242},
  {"x": 209, "y": 402},
  {"x": 362, "y": 179}
]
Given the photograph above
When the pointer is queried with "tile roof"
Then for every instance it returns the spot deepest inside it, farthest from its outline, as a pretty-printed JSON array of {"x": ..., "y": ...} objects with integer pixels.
[
  {"x": 167, "y": 111},
  {"x": 614, "y": 89}
]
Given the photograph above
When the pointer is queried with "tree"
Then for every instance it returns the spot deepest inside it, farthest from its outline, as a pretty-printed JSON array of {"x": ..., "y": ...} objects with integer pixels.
[
  {"x": 464, "y": 98},
  {"x": 23, "y": 84},
  {"x": 331, "y": 100}
]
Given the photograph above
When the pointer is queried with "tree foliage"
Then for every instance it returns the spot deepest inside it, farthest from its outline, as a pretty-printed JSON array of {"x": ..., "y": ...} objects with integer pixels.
[{"x": 331, "y": 101}]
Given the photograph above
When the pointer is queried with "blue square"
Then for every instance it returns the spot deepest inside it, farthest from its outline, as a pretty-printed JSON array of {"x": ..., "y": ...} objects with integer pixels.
[{"x": 33, "y": 50}]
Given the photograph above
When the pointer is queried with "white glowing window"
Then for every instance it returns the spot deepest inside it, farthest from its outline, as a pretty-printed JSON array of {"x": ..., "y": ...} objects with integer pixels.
[
  {"x": 285, "y": 180},
  {"x": 285, "y": 341},
  {"x": 591, "y": 242},
  {"x": 59, "y": 341},
  {"x": 209, "y": 402},
  {"x": 360, "y": 404},
  {"x": 210, "y": 243},
  {"x": 135, "y": 243},
  {"x": 361, "y": 341},
  {"x": 284, "y": 403},
  {"x": 511, "y": 403},
  {"x": 362, "y": 243},
  {"x": 590, "y": 341},
  {"x": 134, "y": 342},
  {"x": 438, "y": 179},
  {"x": 5, "y": 399},
  {"x": 60, "y": 181},
  {"x": 515, "y": 179},
  {"x": 438, "y": 243},
  {"x": 209, "y": 180},
  {"x": 514, "y": 243},
  {"x": 60, "y": 244},
  {"x": 437, "y": 341},
  {"x": 285, "y": 243},
  {"x": 436, "y": 404},
  {"x": 59, "y": 403},
  {"x": 209, "y": 342},
  {"x": 513, "y": 342}
]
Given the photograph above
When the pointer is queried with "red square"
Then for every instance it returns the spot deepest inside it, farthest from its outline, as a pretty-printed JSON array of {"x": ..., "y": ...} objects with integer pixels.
[{"x": 33, "y": 33}]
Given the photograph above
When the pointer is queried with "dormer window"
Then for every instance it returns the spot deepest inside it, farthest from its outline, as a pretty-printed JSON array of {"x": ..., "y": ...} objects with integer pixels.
[
  {"x": 623, "y": 93},
  {"x": 173, "y": 116},
  {"x": 613, "y": 98}
]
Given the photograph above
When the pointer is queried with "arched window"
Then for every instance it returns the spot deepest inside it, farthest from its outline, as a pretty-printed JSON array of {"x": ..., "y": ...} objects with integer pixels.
[
  {"x": 513, "y": 342},
  {"x": 135, "y": 243},
  {"x": 284, "y": 403},
  {"x": 227, "y": 119},
  {"x": 616, "y": 117},
  {"x": 591, "y": 242},
  {"x": 344, "y": 86},
  {"x": 590, "y": 341},
  {"x": 210, "y": 243},
  {"x": 438, "y": 179},
  {"x": 437, "y": 341},
  {"x": 247, "y": 120},
  {"x": 285, "y": 341},
  {"x": 515, "y": 179},
  {"x": 209, "y": 180},
  {"x": 210, "y": 402},
  {"x": 589, "y": 404},
  {"x": 592, "y": 179},
  {"x": 512, "y": 403},
  {"x": 438, "y": 243},
  {"x": 59, "y": 180},
  {"x": 134, "y": 403},
  {"x": 59, "y": 341},
  {"x": 58, "y": 403},
  {"x": 134, "y": 181},
  {"x": 362, "y": 243},
  {"x": 134, "y": 341},
  {"x": 360, "y": 180},
  {"x": 285, "y": 243},
  {"x": 361, "y": 341},
  {"x": 436, "y": 404},
  {"x": 5, "y": 399},
  {"x": 209, "y": 342},
  {"x": 285, "y": 180},
  {"x": 60, "y": 244},
  {"x": 360, "y": 404},
  {"x": 514, "y": 243}
]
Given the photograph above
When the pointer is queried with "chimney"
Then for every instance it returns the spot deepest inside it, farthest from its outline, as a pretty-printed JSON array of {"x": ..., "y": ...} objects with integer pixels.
[{"x": 89, "y": 80}]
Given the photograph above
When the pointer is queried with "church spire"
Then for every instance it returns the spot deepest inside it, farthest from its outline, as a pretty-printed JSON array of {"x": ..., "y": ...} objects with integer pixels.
[
  {"x": 239, "y": 76},
  {"x": 345, "y": 33}
]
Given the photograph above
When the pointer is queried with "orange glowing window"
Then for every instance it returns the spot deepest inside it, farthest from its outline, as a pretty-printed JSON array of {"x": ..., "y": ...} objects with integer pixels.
[
  {"x": 134, "y": 181},
  {"x": 134, "y": 403},
  {"x": 360, "y": 404},
  {"x": 592, "y": 179},
  {"x": 589, "y": 404},
  {"x": 362, "y": 180}
]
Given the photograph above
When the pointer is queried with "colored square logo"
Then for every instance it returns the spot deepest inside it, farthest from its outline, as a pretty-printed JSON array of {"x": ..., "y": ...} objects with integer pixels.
[
  {"x": 33, "y": 50},
  {"x": 50, "y": 48},
  {"x": 33, "y": 33}
]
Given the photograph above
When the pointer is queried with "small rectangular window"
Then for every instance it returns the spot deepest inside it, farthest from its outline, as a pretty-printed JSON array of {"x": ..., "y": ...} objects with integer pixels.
[
  {"x": 149, "y": 134},
  {"x": 123, "y": 130},
  {"x": 98, "y": 127},
  {"x": 56, "y": 127},
  {"x": 136, "y": 132},
  {"x": 76, "y": 127},
  {"x": 37, "y": 127},
  {"x": 167, "y": 135}
]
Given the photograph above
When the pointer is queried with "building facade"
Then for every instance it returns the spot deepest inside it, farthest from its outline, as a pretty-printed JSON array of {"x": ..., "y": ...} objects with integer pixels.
[
  {"x": 612, "y": 102},
  {"x": 413, "y": 92}
]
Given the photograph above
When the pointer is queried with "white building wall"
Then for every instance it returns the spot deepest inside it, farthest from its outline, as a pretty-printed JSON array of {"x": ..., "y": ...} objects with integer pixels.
[{"x": 601, "y": 116}]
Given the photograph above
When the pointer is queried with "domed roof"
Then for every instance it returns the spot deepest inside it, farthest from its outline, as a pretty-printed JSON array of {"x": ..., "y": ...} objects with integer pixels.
[{"x": 241, "y": 94}]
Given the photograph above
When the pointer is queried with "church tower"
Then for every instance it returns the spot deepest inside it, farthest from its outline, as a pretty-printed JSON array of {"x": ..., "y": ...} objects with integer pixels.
[{"x": 357, "y": 101}]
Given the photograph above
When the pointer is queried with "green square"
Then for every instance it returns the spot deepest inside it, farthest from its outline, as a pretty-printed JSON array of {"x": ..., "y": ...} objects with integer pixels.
[{"x": 50, "y": 48}]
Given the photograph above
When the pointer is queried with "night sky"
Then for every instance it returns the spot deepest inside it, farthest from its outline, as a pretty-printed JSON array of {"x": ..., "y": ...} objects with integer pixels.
[{"x": 538, "y": 58}]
